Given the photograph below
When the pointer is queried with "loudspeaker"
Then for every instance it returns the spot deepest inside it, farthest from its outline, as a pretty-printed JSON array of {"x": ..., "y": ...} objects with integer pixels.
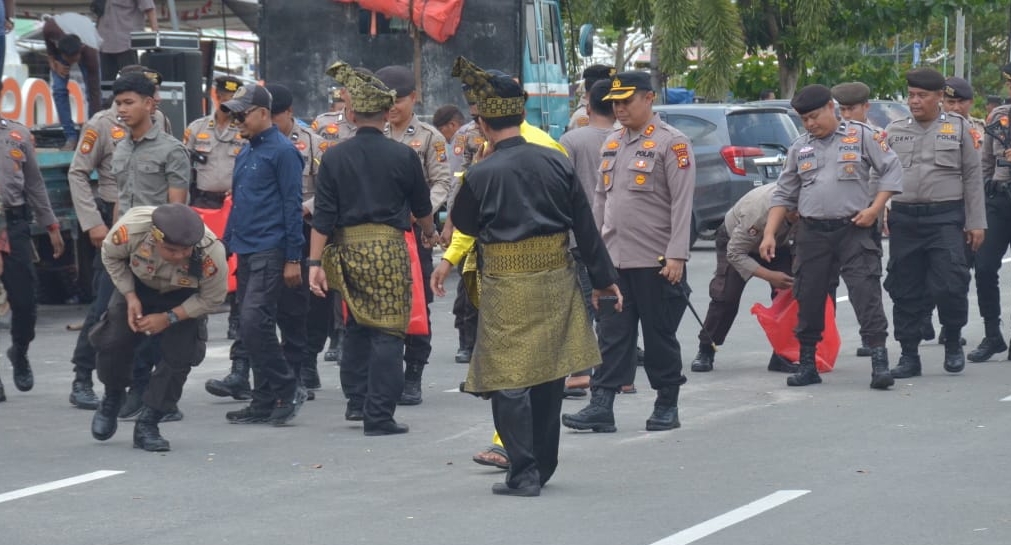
[{"x": 181, "y": 66}]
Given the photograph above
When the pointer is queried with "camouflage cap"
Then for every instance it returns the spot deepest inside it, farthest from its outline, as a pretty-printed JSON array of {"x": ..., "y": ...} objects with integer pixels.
[
  {"x": 368, "y": 93},
  {"x": 480, "y": 82}
]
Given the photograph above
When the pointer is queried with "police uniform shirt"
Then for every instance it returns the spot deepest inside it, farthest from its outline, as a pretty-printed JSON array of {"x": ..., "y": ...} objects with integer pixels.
[
  {"x": 20, "y": 178},
  {"x": 430, "y": 146},
  {"x": 745, "y": 225},
  {"x": 830, "y": 178},
  {"x": 311, "y": 146},
  {"x": 213, "y": 149},
  {"x": 643, "y": 200},
  {"x": 467, "y": 142},
  {"x": 579, "y": 118},
  {"x": 333, "y": 126},
  {"x": 129, "y": 254},
  {"x": 147, "y": 168},
  {"x": 940, "y": 163},
  {"x": 993, "y": 150},
  {"x": 99, "y": 137}
]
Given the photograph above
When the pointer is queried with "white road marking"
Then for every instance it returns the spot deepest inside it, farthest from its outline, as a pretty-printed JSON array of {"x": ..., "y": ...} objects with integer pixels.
[
  {"x": 56, "y": 485},
  {"x": 713, "y": 525},
  {"x": 1006, "y": 260},
  {"x": 1008, "y": 398},
  {"x": 842, "y": 298}
]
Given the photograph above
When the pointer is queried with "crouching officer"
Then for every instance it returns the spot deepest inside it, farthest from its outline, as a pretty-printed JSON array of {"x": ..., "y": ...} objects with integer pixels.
[{"x": 169, "y": 270}]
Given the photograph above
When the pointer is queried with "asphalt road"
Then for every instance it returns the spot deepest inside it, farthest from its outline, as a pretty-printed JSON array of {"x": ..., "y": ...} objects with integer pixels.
[{"x": 754, "y": 463}]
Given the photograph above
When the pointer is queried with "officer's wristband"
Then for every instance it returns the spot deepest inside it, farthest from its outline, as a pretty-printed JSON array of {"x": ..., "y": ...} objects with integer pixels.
[
  {"x": 172, "y": 317},
  {"x": 314, "y": 262}
]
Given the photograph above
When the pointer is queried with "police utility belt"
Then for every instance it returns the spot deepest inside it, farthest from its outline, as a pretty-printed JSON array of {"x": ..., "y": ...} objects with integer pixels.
[
  {"x": 17, "y": 213},
  {"x": 927, "y": 208},
  {"x": 827, "y": 226}
]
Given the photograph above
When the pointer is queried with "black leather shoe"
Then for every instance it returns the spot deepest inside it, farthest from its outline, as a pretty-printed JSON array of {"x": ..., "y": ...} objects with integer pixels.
[
  {"x": 502, "y": 489},
  {"x": 703, "y": 362},
  {"x": 954, "y": 360},
  {"x": 24, "y": 380},
  {"x": 389, "y": 427},
  {"x": 354, "y": 413},
  {"x": 82, "y": 395},
  {"x": 133, "y": 404},
  {"x": 908, "y": 366},
  {"x": 986, "y": 349},
  {"x": 104, "y": 421}
]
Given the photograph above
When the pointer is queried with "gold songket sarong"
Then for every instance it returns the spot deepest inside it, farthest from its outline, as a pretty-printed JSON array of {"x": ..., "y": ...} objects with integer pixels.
[
  {"x": 532, "y": 327},
  {"x": 369, "y": 265}
]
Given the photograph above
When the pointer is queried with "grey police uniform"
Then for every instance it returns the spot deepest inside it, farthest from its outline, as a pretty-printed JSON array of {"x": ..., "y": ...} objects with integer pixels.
[
  {"x": 147, "y": 168},
  {"x": 829, "y": 181},
  {"x": 996, "y": 173},
  {"x": 643, "y": 204},
  {"x": 579, "y": 117},
  {"x": 942, "y": 196},
  {"x": 333, "y": 126},
  {"x": 23, "y": 194},
  {"x": 212, "y": 151}
]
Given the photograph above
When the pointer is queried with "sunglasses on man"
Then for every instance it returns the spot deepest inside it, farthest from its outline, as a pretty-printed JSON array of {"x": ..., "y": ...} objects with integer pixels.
[{"x": 241, "y": 116}]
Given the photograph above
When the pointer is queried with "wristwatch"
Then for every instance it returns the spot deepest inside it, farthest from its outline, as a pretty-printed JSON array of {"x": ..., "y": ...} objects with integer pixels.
[
  {"x": 314, "y": 262},
  {"x": 172, "y": 317}
]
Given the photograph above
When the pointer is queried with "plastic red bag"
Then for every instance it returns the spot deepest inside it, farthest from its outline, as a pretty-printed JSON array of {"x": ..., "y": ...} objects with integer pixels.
[
  {"x": 216, "y": 220},
  {"x": 419, "y": 308},
  {"x": 779, "y": 321}
]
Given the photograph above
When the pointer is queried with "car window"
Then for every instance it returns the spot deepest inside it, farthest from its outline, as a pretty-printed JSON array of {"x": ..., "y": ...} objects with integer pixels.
[
  {"x": 698, "y": 130},
  {"x": 883, "y": 113},
  {"x": 756, "y": 128}
]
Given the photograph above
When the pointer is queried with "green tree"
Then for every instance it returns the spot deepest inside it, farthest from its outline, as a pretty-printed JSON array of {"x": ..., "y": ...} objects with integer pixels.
[{"x": 709, "y": 28}]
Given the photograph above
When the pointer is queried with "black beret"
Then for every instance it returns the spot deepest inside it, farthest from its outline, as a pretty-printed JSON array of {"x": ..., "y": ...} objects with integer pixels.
[
  {"x": 282, "y": 98},
  {"x": 397, "y": 78},
  {"x": 227, "y": 84},
  {"x": 625, "y": 84},
  {"x": 957, "y": 88},
  {"x": 177, "y": 223},
  {"x": 927, "y": 79},
  {"x": 851, "y": 94},
  {"x": 810, "y": 98}
]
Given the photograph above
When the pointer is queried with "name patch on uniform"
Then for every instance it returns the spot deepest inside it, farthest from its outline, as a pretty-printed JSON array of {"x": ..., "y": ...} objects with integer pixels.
[
  {"x": 440, "y": 151},
  {"x": 88, "y": 140},
  {"x": 640, "y": 179},
  {"x": 646, "y": 154},
  {"x": 209, "y": 267},
  {"x": 120, "y": 236},
  {"x": 649, "y": 144},
  {"x": 946, "y": 128},
  {"x": 681, "y": 152}
]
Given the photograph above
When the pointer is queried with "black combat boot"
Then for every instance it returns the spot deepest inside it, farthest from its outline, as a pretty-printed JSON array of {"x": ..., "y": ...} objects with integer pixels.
[
  {"x": 864, "y": 351},
  {"x": 780, "y": 364},
  {"x": 703, "y": 362},
  {"x": 234, "y": 385},
  {"x": 909, "y": 362},
  {"x": 133, "y": 404},
  {"x": 310, "y": 375},
  {"x": 104, "y": 421},
  {"x": 954, "y": 356},
  {"x": 355, "y": 411},
  {"x": 412, "y": 385},
  {"x": 807, "y": 373},
  {"x": 24, "y": 380},
  {"x": 991, "y": 344},
  {"x": 665, "y": 410},
  {"x": 336, "y": 350},
  {"x": 881, "y": 379},
  {"x": 597, "y": 416},
  {"x": 466, "y": 349},
  {"x": 146, "y": 434},
  {"x": 82, "y": 393}
]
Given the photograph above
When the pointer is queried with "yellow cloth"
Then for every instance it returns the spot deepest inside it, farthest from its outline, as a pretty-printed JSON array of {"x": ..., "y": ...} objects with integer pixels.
[
  {"x": 462, "y": 244},
  {"x": 370, "y": 267},
  {"x": 533, "y": 326}
]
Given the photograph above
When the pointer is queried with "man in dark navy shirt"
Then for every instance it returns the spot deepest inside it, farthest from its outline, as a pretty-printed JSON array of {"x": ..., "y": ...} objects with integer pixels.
[{"x": 265, "y": 231}]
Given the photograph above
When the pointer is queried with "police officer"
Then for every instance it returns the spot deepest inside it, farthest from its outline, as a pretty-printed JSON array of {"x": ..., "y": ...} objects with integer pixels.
[
  {"x": 592, "y": 74},
  {"x": 939, "y": 212},
  {"x": 334, "y": 125},
  {"x": 405, "y": 127},
  {"x": 213, "y": 141},
  {"x": 169, "y": 270},
  {"x": 827, "y": 177},
  {"x": 958, "y": 99},
  {"x": 23, "y": 194},
  {"x": 151, "y": 168},
  {"x": 644, "y": 203},
  {"x": 737, "y": 260},
  {"x": 996, "y": 168},
  {"x": 157, "y": 116}
]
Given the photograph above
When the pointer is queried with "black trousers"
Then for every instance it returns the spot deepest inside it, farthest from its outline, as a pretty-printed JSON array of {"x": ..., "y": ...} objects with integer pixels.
[
  {"x": 181, "y": 347},
  {"x": 465, "y": 314},
  {"x": 927, "y": 265},
  {"x": 19, "y": 280},
  {"x": 659, "y": 305},
  {"x": 727, "y": 287},
  {"x": 528, "y": 421},
  {"x": 102, "y": 287},
  {"x": 259, "y": 293},
  {"x": 823, "y": 249},
  {"x": 418, "y": 348},
  {"x": 371, "y": 372},
  {"x": 989, "y": 255}
]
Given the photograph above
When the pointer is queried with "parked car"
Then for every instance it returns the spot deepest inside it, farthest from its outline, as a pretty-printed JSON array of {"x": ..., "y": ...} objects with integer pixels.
[
  {"x": 737, "y": 148},
  {"x": 882, "y": 112}
]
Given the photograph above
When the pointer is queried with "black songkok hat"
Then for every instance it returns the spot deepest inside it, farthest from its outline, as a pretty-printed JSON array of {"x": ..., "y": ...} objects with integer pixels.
[
  {"x": 927, "y": 79},
  {"x": 810, "y": 98}
]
